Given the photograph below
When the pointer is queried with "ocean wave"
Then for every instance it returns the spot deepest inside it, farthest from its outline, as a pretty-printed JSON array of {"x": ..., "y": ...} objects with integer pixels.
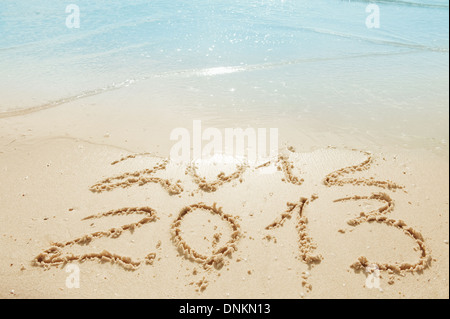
[
  {"x": 200, "y": 72},
  {"x": 407, "y": 3},
  {"x": 67, "y": 39},
  {"x": 410, "y": 45}
]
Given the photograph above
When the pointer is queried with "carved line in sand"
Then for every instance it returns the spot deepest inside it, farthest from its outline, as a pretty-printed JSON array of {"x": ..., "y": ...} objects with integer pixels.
[
  {"x": 143, "y": 177},
  {"x": 283, "y": 164},
  {"x": 379, "y": 216},
  {"x": 221, "y": 178},
  {"x": 54, "y": 255},
  {"x": 287, "y": 167},
  {"x": 336, "y": 178},
  {"x": 138, "y": 178},
  {"x": 306, "y": 244},
  {"x": 217, "y": 259},
  {"x": 132, "y": 156}
]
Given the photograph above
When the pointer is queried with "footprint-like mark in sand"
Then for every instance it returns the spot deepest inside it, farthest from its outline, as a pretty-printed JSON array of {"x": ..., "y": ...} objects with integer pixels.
[
  {"x": 379, "y": 215},
  {"x": 217, "y": 259},
  {"x": 54, "y": 256},
  {"x": 139, "y": 178}
]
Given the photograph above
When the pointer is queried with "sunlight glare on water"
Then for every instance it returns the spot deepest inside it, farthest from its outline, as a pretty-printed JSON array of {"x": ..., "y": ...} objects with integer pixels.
[{"x": 286, "y": 55}]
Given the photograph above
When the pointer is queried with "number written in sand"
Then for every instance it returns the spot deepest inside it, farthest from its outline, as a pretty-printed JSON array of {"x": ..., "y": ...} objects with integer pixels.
[
  {"x": 54, "y": 256},
  {"x": 217, "y": 258}
]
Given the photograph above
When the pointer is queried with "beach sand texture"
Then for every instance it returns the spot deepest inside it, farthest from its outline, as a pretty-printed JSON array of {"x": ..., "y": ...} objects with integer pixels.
[
  {"x": 354, "y": 205},
  {"x": 303, "y": 225}
]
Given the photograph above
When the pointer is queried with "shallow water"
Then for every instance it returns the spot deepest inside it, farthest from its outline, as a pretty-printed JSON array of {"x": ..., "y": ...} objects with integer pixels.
[{"x": 315, "y": 58}]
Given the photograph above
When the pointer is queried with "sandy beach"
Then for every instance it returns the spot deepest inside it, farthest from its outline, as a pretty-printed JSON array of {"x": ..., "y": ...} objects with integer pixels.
[
  {"x": 305, "y": 225},
  {"x": 351, "y": 199}
]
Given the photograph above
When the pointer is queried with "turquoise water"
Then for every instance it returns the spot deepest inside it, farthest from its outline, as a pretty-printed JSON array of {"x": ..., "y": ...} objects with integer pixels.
[{"x": 300, "y": 56}]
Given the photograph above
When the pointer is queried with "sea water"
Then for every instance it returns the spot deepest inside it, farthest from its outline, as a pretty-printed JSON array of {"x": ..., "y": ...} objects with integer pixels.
[{"x": 385, "y": 61}]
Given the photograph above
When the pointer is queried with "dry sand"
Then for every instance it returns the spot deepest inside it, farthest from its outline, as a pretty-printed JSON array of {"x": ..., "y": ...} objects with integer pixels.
[{"x": 79, "y": 185}]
